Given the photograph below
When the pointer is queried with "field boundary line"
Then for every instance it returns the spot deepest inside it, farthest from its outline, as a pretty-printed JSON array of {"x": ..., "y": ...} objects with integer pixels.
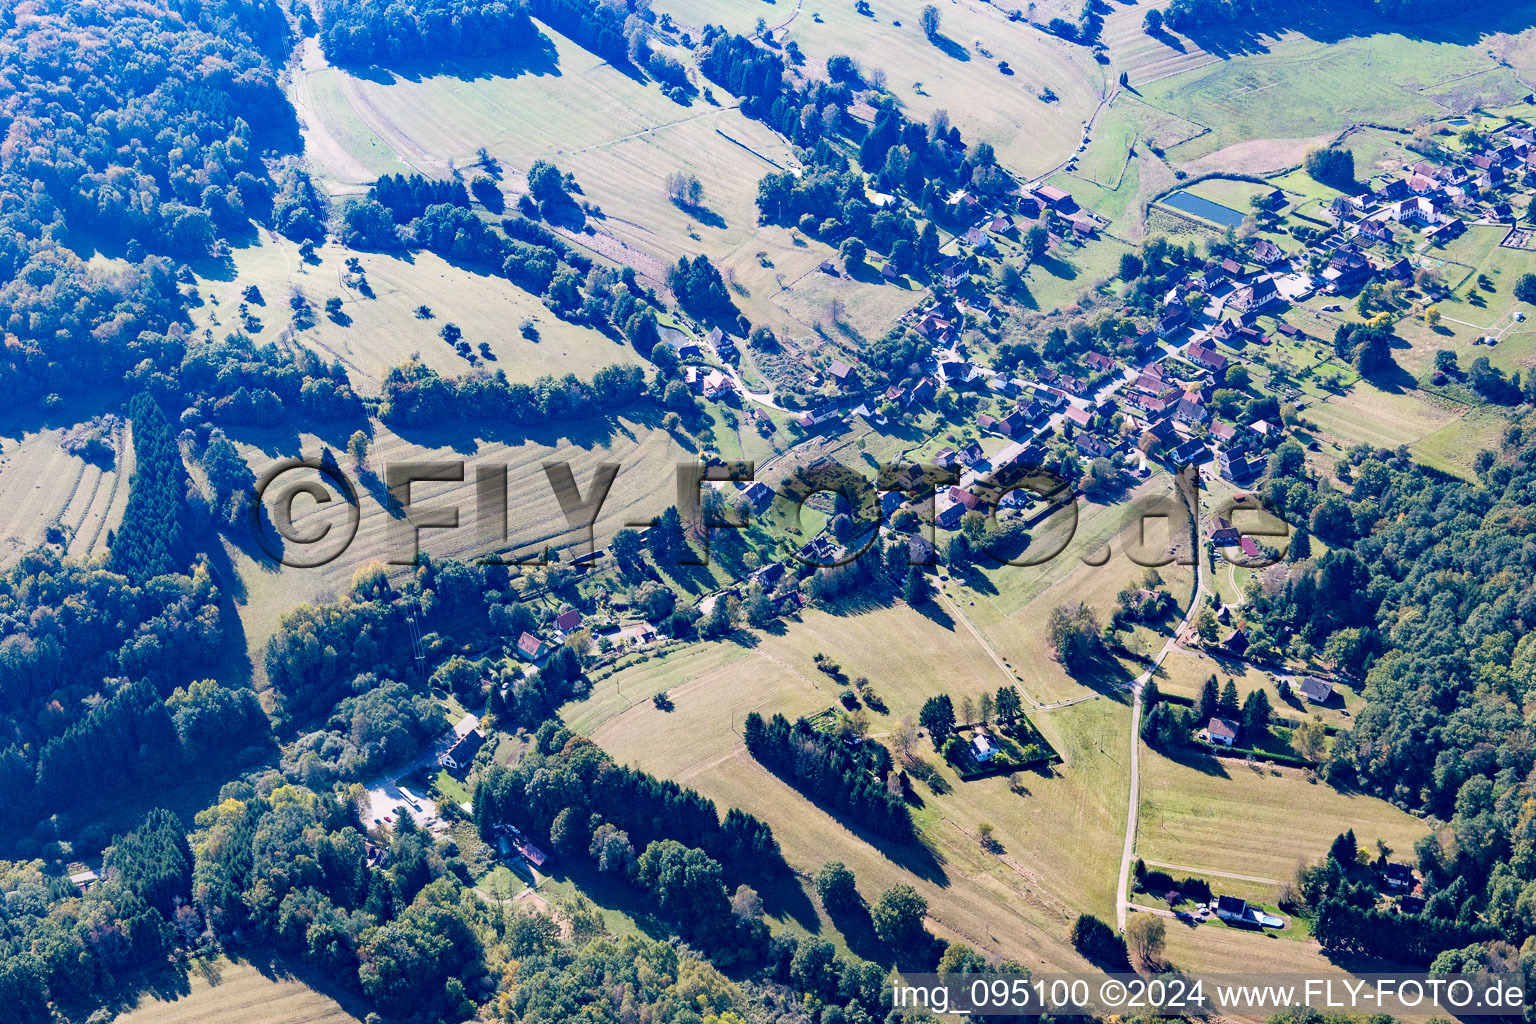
[{"x": 1210, "y": 871}]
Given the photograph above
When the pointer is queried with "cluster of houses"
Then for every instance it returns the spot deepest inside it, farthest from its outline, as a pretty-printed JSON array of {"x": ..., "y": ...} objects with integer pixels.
[{"x": 1439, "y": 199}]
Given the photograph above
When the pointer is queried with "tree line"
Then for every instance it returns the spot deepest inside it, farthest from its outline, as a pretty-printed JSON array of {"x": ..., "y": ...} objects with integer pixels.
[
  {"x": 853, "y": 785},
  {"x": 361, "y": 32}
]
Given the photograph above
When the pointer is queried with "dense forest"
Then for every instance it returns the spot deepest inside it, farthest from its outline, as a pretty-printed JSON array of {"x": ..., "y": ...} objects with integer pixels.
[
  {"x": 142, "y": 130},
  {"x": 390, "y": 33},
  {"x": 1426, "y": 595}
]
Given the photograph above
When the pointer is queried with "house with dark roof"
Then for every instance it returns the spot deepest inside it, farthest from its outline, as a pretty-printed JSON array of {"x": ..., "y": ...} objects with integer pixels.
[
  {"x": 1315, "y": 690},
  {"x": 568, "y": 622},
  {"x": 1190, "y": 410},
  {"x": 1223, "y": 533},
  {"x": 953, "y": 504},
  {"x": 1190, "y": 453},
  {"x": 1234, "y": 466},
  {"x": 846, "y": 376},
  {"x": 462, "y": 754},
  {"x": 1256, "y": 296},
  {"x": 1092, "y": 446},
  {"x": 1175, "y": 316},
  {"x": 1347, "y": 268},
  {"x": 1099, "y": 361},
  {"x": 1235, "y": 644},
  {"x": 1442, "y": 233}
]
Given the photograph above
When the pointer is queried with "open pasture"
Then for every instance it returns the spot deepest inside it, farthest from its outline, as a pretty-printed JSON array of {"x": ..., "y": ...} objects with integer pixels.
[
  {"x": 375, "y": 332},
  {"x": 1059, "y": 836},
  {"x": 42, "y": 486},
  {"x": 1221, "y": 814},
  {"x": 619, "y": 137},
  {"x": 239, "y": 993},
  {"x": 959, "y": 73},
  {"x": 645, "y": 485},
  {"x": 1293, "y": 86}
]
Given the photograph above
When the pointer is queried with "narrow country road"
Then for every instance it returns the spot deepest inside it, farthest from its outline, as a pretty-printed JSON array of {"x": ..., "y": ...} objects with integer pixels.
[{"x": 1128, "y": 851}]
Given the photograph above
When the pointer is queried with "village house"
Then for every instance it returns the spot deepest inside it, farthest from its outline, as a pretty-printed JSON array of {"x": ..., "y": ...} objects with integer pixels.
[
  {"x": 982, "y": 747},
  {"x": 932, "y": 326},
  {"x": 1315, "y": 690},
  {"x": 568, "y": 622},
  {"x": 1375, "y": 232},
  {"x": 1267, "y": 253},
  {"x": 1442, "y": 233},
  {"x": 1208, "y": 358},
  {"x": 1230, "y": 908},
  {"x": 1079, "y": 416},
  {"x": 1093, "y": 446},
  {"x": 954, "y": 504},
  {"x": 1223, "y": 533},
  {"x": 758, "y": 495},
  {"x": 462, "y": 754},
  {"x": 1191, "y": 453},
  {"x": 1235, "y": 645},
  {"x": 1223, "y": 731},
  {"x": 1234, "y": 466},
  {"x": 531, "y": 648},
  {"x": 1259, "y": 295},
  {"x": 954, "y": 372},
  {"x": 1099, "y": 362},
  {"x": 846, "y": 376},
  {"x": 1348, "y": 268},
  {"x": 1161, "y": 434},
  {"x": 1190, "y": 410},
  {"x": 1175, "y": 316}
]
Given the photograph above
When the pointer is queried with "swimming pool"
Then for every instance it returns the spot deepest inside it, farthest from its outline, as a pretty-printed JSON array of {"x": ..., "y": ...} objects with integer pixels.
[{"x": 1204, "y": 209}]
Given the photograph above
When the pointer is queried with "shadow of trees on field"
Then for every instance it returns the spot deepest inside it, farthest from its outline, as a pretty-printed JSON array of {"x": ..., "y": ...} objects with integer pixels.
[
  {"x": 541, "y": 59},
  {"x": 1335, "y": 21}
]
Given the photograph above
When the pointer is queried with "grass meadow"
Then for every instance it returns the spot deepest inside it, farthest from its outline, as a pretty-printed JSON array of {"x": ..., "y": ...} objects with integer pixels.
[
  {"x": 239, "y": 993},
  {"x": 1058, "y": 834},
  {"x": 42, "y": 486},
  {"x": 379, "y": 331},
  {"x": 958, "y": 74},
  {"x": 1223, "y": 815}
]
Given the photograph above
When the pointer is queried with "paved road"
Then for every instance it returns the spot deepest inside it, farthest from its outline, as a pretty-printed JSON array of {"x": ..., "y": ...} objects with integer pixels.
[{"x": 1128, "y": 851}]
